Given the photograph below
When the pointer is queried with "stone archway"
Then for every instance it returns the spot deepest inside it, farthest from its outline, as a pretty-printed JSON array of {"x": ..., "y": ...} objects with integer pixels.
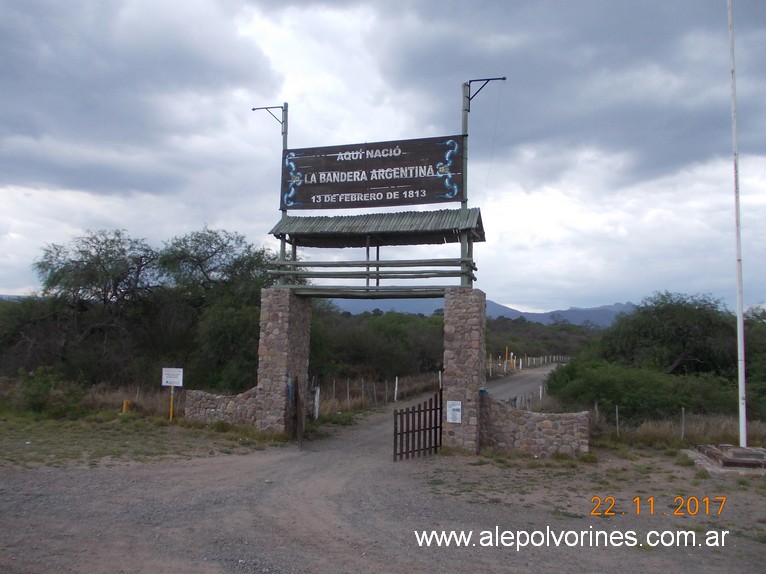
[
  {"x": 283, "y": 355},
  {"x": 470, "y": 419}
]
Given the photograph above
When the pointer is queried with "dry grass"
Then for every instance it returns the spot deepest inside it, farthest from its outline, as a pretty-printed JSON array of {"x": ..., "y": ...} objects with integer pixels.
[
  {"x": 336, "y": 396},
  {"x": 151, "y": 402},
  {"x": 109, "y": 438},
  {"x": 670, "y": 433},
  {"x": 348, "y": 396},
  {"x": 548, "y": 404}
]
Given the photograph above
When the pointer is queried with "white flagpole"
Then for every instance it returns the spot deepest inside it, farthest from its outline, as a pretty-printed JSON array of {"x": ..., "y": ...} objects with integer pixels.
[{"x": 740, "y": 312}]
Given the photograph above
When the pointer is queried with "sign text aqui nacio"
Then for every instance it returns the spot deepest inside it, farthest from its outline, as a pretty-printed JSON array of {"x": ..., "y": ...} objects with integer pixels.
[{"x": 407, "y": 172}]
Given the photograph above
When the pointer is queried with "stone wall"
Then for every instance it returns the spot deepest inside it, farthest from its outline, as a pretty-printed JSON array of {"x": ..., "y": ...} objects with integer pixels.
[
  {"x": 506, "y": 429},
  {"x": 465, "y": 320},
  {"x": 283, "y": 363},
  {"x": 209, "y": 408}
]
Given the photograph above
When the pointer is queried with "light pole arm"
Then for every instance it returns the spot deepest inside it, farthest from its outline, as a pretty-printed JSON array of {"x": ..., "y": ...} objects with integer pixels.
[
  {"x": 282, "y": 121},
  {"x": 466, "y": 245}
]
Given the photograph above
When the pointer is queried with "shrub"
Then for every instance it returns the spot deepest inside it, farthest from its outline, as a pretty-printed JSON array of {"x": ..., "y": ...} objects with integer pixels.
[
  {"x": 641, "y": 393},
  {"x": 45, "y": 391}
]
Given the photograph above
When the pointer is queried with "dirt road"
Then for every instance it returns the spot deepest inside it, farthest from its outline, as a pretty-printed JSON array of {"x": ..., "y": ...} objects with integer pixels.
[
  {"x": 341, "y": 505},
  {"x": 526, "y": 382}
]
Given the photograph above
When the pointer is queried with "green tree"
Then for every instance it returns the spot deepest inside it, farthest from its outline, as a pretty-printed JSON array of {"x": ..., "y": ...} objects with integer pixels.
[
  {"x": 523, "y": 337},
  {"x": 674, "y": 351},
  {"x": 219, "y": 275},
  {"x": 675, "y": 333},
  {"x": 325, "y": 320},
  {"x": 202, "y": 262},
  {"x": 33, "y": 332},
  {"x": 115, "y": 310},
  {"x": 108, "y": 267},
  {"x": 755, "y": 347},
  {"x": 374, "y": 345},
  {"x": 100, "y": 278},
  {"x": 641, "y": 393},
  {"x": 226, "y": 346}
]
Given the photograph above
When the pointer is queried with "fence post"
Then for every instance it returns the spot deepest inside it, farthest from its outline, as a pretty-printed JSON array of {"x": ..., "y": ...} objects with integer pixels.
[
  {"x": 617, "y": 418},
  {"x": 683, "y": 422},
  {"x": 316, "y": 403},
  {"x": 299, "y": 414},
  {"x": 396, "y": 431},
  {"x": 396, "y": 389}
]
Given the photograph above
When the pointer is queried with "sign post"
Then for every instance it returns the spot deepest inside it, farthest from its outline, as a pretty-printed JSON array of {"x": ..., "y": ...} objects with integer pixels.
[{"x": 172, "y": 378}]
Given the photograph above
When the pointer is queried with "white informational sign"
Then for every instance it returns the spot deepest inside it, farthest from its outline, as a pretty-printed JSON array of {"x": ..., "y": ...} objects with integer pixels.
[
  {"x": 172, "y": 377},
  {"x": 454, "y": 412}
]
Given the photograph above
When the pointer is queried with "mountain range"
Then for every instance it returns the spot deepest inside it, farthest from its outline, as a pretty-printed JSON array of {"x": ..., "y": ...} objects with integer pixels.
[{"x": 602, "y": 316}]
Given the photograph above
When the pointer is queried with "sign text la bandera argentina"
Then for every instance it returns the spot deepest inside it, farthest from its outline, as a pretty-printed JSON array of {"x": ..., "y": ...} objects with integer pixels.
[{"x": 407, "y": 172}]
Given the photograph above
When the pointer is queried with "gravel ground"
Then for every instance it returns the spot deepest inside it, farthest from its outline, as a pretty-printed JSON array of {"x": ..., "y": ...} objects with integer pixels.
[{"x": 341, "y": 505}]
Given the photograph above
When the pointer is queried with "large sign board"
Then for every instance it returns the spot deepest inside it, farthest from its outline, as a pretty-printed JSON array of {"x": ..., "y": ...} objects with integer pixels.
[{"x": 407, "y": 172}]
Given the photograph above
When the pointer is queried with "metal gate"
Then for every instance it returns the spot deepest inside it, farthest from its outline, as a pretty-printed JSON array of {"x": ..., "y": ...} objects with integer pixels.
[{"x": 418, "y": 429}]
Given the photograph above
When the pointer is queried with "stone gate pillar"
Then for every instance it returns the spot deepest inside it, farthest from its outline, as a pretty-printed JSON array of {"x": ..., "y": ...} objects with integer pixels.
[
  {"x": 283, "y": 358},
  {"x": 465, "y": 320}
]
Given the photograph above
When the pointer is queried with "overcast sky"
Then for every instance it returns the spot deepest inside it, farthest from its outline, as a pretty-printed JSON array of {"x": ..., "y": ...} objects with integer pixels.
[{"x": 602, "y": 166}]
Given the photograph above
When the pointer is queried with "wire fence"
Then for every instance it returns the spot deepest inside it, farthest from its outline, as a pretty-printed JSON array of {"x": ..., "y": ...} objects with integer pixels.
[
  {"x": 501, "y": 366},
  {"x": 343, "y": 395},
  {"x": 347, "y": 394}
]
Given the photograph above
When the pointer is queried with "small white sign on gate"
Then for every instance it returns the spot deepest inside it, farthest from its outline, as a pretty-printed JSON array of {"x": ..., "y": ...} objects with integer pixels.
[
  {"x": 172, "y": 377},
  {"x": 454, "y": 412}
]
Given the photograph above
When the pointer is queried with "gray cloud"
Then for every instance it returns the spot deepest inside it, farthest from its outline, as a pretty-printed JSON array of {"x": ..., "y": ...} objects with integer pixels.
[
  {"x": 602, "y": 165},
  {"x": 650, "y": 79},
  {"x": 89, "y": 88}
]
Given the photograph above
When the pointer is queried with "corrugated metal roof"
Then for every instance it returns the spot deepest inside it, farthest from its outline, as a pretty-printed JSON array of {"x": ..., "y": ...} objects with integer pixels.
[{"x": 403, "y": 228}]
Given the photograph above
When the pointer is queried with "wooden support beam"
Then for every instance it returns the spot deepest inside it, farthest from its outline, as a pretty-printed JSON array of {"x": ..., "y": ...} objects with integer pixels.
[
  {"x": 415, "y": 274},
  {"x": 379, "y": 263}
]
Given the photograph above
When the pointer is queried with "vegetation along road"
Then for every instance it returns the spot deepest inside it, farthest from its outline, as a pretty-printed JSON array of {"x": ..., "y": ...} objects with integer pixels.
[{"x": 341, "y": 505}]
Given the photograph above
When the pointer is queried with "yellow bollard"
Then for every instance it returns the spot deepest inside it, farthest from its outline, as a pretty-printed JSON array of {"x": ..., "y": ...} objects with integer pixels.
[{"x": 125, "y": 406}]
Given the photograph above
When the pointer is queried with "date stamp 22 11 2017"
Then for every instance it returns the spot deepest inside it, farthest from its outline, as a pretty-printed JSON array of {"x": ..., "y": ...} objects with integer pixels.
[{"x": 681, "y": 506}]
